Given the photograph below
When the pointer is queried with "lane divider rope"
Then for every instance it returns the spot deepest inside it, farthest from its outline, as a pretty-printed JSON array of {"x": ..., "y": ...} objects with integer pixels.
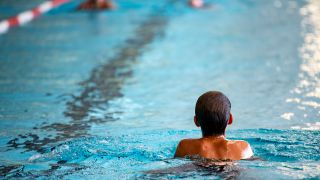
[{"x": 29, "y": 15}]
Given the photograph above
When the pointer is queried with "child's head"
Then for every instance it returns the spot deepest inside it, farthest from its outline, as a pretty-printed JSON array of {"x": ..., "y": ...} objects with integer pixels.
[{"x": 213, "y": 113}]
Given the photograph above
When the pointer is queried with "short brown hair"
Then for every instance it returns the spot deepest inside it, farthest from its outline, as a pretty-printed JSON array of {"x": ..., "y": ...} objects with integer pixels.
[{"x": 213, "y": 112}]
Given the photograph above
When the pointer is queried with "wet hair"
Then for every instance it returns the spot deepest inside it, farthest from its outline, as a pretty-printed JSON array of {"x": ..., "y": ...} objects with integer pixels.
[{"x": 212, "y": 113}]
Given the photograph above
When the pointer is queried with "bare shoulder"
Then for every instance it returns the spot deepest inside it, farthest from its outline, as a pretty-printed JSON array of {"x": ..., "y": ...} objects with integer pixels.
[
  {"x": 243, "y": 147},
  {"x": 185, "y": 147},
  {"x": 241, "y": 143},
  {"x": 186, "y": 142}
]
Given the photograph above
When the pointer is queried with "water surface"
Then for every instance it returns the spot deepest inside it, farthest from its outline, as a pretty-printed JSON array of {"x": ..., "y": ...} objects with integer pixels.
[{"x": 110, "y": 94}]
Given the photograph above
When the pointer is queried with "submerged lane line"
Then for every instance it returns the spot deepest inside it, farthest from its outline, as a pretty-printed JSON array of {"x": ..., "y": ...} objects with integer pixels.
[{"x": 104, "y": 84}]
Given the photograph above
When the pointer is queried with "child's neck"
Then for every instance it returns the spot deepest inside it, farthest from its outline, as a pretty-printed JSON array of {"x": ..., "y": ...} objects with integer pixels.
[{"x": 214, "y": 136}]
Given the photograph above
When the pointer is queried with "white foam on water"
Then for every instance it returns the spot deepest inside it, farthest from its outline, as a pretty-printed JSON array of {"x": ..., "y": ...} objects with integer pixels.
[
  {"x": 287, "y": 116},
  {"x": 308, "y": 126}
]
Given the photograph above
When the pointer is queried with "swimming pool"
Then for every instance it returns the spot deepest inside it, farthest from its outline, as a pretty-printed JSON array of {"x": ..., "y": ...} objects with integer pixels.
[{"x": 109, "y": 94}]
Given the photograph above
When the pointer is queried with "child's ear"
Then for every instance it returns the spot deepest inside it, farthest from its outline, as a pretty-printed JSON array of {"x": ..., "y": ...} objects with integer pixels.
[
  {"x": 230, "y": 119},
  {"x": 196, "y": 121}
]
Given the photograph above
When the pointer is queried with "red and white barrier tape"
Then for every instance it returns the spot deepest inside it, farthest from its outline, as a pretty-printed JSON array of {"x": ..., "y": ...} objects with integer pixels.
[{"x": 28, "y": 16}]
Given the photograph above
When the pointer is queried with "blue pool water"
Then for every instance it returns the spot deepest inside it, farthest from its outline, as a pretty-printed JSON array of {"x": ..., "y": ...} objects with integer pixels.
[{"x": 109, "y": 94}]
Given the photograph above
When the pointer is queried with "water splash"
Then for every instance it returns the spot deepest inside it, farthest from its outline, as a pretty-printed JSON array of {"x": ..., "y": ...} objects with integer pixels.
[{"x": 149, "y": 154}]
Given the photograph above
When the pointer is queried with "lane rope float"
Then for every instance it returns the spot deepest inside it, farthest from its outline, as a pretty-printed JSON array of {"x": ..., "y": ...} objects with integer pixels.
[{"x": 29, "y": 15}]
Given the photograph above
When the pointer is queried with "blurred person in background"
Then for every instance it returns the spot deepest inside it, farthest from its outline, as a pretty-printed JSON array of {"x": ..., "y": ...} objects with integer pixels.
[
  {"x": 196, "y": 3},
  {"x": 96, "y": 5}
]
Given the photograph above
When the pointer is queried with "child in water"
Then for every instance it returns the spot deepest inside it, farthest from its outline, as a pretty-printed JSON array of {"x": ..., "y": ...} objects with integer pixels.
[
  {"x": 96, "y": 5},
  {"x": 195, "y": 3},
  {"x": 212, "y": 114}
]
